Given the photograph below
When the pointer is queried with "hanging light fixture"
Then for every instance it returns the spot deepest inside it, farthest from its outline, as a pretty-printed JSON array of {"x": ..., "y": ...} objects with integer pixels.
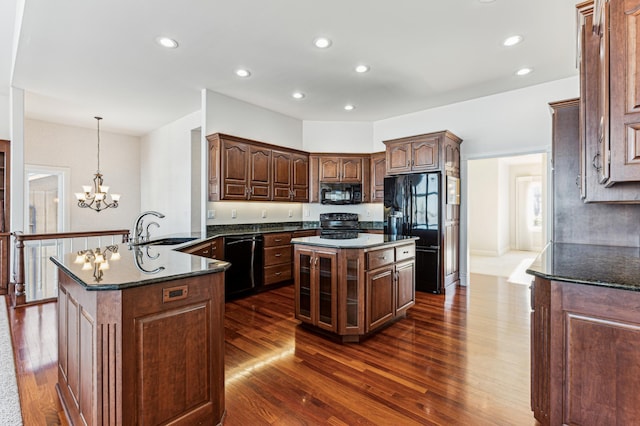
[{"x": 95, "y": 197}]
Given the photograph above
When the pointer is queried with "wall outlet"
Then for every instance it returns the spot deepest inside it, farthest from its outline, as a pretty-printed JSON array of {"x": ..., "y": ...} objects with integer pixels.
[
  {"x": 264, "y": 213},
  {"x": 211, "y": 214},
  {"x": 234, "y": 213},
  {"x": 368, "y": 213},
  {"x": 306, "y": 212},
  {"x": 290, "y": 213}
]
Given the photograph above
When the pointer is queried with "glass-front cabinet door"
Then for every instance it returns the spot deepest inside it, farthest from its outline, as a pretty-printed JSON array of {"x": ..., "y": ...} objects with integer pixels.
[
  {"x": 303, "y": 282},
  {"x": 326, "y": 274}
]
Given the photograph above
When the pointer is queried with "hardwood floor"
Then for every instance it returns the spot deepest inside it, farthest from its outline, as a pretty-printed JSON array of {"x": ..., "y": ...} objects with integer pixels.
[{"x": 455, "y": 360}]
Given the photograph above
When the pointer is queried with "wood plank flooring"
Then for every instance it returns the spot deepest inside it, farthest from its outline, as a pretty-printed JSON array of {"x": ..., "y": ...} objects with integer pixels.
[{"x": 461, "y": 359}]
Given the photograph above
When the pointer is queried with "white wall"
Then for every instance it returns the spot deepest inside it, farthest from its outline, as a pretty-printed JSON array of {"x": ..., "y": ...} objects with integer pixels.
[
  {"x": 165, "y": 173},
  {"x": 238, "y": 118},
  {"x": 484, "y": 207},
  {"x": 525, "y": 170},
  {"x": 56, "y": 145},
  {"x": 5, "y": 117},
  {"x": 504, "y": 201},
  {"x": 338, "y": 136}
]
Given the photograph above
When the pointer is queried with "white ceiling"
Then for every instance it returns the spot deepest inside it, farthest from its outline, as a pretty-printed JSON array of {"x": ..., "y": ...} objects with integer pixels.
[{"x": 80, "y": 58}]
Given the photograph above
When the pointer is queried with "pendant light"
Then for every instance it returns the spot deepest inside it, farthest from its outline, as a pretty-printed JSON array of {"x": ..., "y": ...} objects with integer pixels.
[{"x": 95, "y": 196}]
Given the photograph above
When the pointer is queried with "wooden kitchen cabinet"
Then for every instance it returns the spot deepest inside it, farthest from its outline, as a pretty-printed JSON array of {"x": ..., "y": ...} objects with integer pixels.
[
  {"x": 346, "y": 168},
  {"x": 369, "y": 288},
  {"x": 149, "y": 354},
  {"x": 339, "y": 169},
  {"x": 277, "y": 258},
  {"x": 316, "y": 272},
  {"x": 290, "y": 176},
  {"x": 585, "y": 354},
  {"x": 424, "y": 153},
  {"x": 390, "y": 284},
  {"x": 609, "y": 42},
  {"x": 212, "y": 248},
  {"x": 378, "y": 171},
  {"x": 246, "y": 171},
  {"x": 242, "y": 169},
  {"x": 413, "y": 154}
]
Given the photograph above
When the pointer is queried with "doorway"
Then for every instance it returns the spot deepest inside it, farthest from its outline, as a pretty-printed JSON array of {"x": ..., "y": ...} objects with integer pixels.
[
  {"x": 507, "y": 205},
  {"x": 44, "y": 213}
]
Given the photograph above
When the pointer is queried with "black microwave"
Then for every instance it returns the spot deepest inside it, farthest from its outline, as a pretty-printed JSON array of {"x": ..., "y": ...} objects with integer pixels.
[{"x": 340, "y": 193}]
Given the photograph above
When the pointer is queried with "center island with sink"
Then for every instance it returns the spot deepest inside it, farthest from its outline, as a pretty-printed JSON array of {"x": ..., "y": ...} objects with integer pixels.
[
  {"x": 350, "y": 288},
  {"x": 141, "y": 335}
]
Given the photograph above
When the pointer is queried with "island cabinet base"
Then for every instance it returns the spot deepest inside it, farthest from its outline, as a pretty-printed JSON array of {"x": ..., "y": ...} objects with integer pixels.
[
  {"x": 350, "y": 293},
  {"x": 585, "y": 354},
  {"x": 145, "y": 355}
]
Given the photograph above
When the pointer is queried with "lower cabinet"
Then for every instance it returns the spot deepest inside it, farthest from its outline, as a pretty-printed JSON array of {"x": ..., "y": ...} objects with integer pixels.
[
  {"x": 353, "y": 292},
  {"x": 213, "y": 249},
  {"x": 149, "y": 355},
  {"x": 277, "y": 258},
  {"x": 585, "y": 354}
]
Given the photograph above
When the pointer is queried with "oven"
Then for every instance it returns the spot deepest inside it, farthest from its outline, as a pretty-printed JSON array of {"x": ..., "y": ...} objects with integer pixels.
[{"x": 339, "y": 226}]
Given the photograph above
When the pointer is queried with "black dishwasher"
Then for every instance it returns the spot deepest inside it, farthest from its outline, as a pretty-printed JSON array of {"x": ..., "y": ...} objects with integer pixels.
[{"x": 245, "y": 274}]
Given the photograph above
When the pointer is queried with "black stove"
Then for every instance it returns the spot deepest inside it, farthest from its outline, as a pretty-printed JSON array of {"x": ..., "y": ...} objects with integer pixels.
[{"x": 339, "y": 226}]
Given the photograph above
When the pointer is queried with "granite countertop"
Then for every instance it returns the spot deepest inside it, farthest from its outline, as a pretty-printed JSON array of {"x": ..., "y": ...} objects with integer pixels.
[
  {"x": 605, "y": 266},
  {"x": 139, "y": 265},
  {"x": 362, "y": 242}
]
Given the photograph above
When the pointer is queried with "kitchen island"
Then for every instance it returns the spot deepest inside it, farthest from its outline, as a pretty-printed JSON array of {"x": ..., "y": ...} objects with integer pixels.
[
  {"x": 350, "y": 288},
  {"x": 585, "y": 335},
  {"x": 140, "y": 336}
]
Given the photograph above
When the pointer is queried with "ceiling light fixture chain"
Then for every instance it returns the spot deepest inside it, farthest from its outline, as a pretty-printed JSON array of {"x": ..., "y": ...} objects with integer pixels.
[{"x": 95, "y": 198}]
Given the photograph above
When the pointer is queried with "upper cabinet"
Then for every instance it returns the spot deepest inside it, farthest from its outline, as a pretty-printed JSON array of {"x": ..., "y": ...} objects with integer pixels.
[
  {"x": 377, "y": 173},
  {"x": 290, "y": 176},
  {"x": 423, "y": 153},
  {"x": 413, "y": 154},
  {"x": 339, "y": 169},
  {"x": 347, "y": 168},
  {"x": 241, "y": 169},
  {"x": 609, "y": 101}
]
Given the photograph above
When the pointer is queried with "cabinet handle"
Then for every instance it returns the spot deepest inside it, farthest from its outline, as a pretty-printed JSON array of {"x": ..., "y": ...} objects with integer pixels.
[
  {"x": 278, "y": 254},
  {"x": 596, "y": 162},
  {"x": 405, "y": 252},
  {"x": 316, "y": 262},
  {"x": 578, "y": 181},
  {"x": 277, "y": 240},
  {"x": 278, "y": 273},
  {"x": 382, "y": 257}
]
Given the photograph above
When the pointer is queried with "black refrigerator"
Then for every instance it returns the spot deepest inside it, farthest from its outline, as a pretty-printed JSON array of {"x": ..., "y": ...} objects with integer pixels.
[{"x": 412, "y": 208}]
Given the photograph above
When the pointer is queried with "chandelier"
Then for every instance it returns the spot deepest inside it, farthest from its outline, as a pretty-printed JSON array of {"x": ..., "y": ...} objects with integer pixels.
[{"x": 95, "y": 197}]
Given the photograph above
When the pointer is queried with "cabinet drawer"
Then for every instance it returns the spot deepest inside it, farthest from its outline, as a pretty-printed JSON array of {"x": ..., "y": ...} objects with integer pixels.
[
  {"x": 277, "y": 255},
  {"x": 279, "y": 239},
  {"x": 405, "y": 252},
  {"x": 380, "y": 258},
  {"x": 277, "y": 273},
  {"x": 305, "y": 233}
]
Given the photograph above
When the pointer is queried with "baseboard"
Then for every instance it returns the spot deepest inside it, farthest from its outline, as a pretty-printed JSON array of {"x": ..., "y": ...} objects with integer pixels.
[{"x": 492, "y": 253}]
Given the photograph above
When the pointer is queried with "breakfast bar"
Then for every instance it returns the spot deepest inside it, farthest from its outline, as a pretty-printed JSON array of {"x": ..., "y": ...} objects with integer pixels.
[
  {"x": 350, "y": 288},
  {"x": 140, "y": 336}
]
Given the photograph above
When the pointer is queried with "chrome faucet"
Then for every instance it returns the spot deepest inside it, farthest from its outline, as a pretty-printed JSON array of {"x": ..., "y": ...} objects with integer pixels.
[{"x": 138, "y": 238}]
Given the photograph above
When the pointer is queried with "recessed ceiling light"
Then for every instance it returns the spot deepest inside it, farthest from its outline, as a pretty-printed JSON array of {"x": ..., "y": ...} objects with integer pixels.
[
  {"x": 298, "y": 95},
  {"x": 167, "y": 42},
  {"x": 523, "y": 71},
  {"x": 362, "y": 68},
  {"x": 322, "y": 42},
  {"x": 512, "y": 41},
  {"x": 349, "y": 107},
  {"x": 241, "y": 72}
]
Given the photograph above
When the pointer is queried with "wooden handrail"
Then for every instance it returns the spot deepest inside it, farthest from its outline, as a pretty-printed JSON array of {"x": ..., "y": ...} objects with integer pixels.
[{"x": 18, "y": 285}]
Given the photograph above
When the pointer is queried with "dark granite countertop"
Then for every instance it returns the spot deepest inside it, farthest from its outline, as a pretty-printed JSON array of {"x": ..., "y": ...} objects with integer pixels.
[
  {"x": 136, "y": 266},
  {"x": 606, "y": 266},
  {"x": 363, "y": 241}
]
